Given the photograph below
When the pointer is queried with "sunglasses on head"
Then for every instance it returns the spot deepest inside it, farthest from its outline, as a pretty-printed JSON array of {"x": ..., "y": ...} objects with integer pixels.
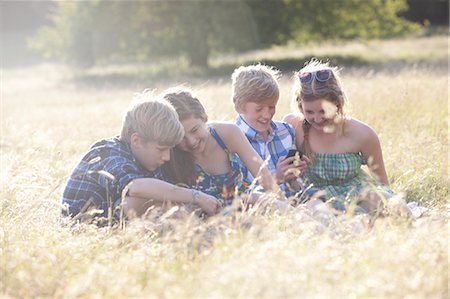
[{"x": 320, "y": 76}]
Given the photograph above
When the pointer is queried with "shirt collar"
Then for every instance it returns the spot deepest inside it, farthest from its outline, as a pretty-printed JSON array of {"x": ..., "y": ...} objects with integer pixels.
[{"x": 252, "y": 133}]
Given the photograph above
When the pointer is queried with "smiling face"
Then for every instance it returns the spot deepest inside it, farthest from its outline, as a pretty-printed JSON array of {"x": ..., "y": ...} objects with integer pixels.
[
  {"x": 195, "y": 135},
  {"x": 258, "y": 115},
  {"x": 319, "y": 113},
  {"x": 149, "y": 154}
]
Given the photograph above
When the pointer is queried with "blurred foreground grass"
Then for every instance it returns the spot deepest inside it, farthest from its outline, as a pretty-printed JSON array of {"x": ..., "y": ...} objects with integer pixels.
[{"x": 49, "y": 121}]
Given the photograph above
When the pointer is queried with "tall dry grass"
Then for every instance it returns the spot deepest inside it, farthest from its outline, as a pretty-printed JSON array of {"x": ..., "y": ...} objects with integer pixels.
[{"x": 48, "y": 122}]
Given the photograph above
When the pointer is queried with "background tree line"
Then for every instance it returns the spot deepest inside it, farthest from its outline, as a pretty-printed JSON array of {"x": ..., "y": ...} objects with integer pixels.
[{"x": 100, "y": 31}]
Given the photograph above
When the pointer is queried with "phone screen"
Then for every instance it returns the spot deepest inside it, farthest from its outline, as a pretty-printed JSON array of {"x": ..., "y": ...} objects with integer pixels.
[{"x": 292, "y": 153}]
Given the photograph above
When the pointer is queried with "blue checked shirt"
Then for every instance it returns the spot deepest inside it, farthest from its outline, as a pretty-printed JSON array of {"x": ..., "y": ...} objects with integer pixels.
[
  {"x": 108, "y": 167},
  {"x": 280, "y": 140}
]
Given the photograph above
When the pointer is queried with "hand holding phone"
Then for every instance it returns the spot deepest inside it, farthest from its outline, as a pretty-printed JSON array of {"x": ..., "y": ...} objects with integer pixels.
[
  {"x": 289, "y": 171},
  {"x": 292, "y": 153}
]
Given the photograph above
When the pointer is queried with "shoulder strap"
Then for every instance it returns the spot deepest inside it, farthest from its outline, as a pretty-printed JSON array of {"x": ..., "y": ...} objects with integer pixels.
[
  {"x": 287, "y": 126},
  {"x": 305, "y": 144},
  {"x": 218, "y": 139}
]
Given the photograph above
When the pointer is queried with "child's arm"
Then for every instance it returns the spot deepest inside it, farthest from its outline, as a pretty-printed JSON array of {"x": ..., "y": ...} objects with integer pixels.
[
  {"x": 371, "y": 151},
  {"x": 236, "y": 142},
  {"x": 142, "y": 192}
]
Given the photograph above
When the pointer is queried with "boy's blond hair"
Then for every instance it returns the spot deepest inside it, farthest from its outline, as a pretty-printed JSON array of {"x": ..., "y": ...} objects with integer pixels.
[
  {"x": 154, "y": 120},
  {"x": 254, "y": 83}
]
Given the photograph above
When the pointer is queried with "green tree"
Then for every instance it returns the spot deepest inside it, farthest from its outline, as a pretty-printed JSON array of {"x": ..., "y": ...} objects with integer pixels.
[
  {"x": 308, "y": 20},
  {"x": 86, "y": 32},
  {"x": 349, "y": 19}
]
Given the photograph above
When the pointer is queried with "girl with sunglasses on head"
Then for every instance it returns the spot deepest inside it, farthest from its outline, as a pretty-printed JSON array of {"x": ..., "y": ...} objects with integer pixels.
[{"x": 337, "y": 145}]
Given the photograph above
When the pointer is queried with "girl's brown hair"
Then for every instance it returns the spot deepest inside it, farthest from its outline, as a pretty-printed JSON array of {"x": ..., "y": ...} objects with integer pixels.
[{"x": 181, "y": 164}]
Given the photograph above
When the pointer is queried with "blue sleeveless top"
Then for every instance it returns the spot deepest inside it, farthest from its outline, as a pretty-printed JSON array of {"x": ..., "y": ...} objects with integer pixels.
[{"x": 223, "y": 186}]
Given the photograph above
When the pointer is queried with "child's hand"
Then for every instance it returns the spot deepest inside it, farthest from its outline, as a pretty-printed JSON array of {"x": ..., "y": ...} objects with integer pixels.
[
  {"x": 209, "y": 204},
  {"x": 289, "y": 168},
  {"x": 302, "y": 163},
  {"x": 284, "y": 169}
]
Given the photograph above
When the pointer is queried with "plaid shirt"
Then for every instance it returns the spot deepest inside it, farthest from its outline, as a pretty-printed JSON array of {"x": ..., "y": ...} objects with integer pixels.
[
  {"x": 89, "y": 183},
  {"x": 280, "y": 140}
]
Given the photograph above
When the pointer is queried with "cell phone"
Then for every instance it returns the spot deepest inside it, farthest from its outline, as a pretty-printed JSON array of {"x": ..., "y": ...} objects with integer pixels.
[{"x": 292, "y": 153}]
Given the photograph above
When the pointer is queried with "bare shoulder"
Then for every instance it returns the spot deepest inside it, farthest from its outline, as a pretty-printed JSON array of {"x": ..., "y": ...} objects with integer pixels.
[
  {"x": 231, "y": 135},
  {"x": 296, "y": 121},
  {"x": 293, "y": 119},
  {"x": 224, "y": 128},
  {"x": 360, "y": 130}
]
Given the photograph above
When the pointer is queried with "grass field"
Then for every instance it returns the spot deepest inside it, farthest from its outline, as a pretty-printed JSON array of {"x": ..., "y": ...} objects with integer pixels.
[{"x": 50, "y": 118}]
